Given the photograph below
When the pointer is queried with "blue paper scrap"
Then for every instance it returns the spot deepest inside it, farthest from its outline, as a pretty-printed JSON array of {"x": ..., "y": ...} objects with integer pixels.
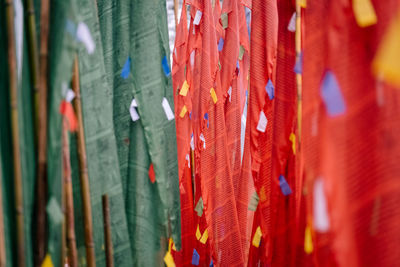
[
  {"x": 285, "y": 188},
  {"x": 332, "y": 95},
  {"x": 298, "y": 67},
  {"x": 126, "y": 69},
  {"x": 270, "y": 89},
  {"x": 195, "y": 257},
  {"x": 165, "y": 66},
  {"x": 206, "y": 118},
  {"x": 220, "y": 44}
]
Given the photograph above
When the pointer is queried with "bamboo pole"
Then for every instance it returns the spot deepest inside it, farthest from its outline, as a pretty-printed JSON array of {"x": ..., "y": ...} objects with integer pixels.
[
  {"x": 41, "y": 97},
  {"x": 34, "y": 68},
  {"x": 299, "y": 170},
  {"x": 176, "y": 10},
  {"x": 69, "y": 200},
  {"x": 2, "y": 241},
  {"x": 107, "y": 232},
  {"x": 13, "y": 80},
  {"x": 63, "y": 251},
  {"x": 33, "y": 58},
  {"x": 84, "y": 179}
]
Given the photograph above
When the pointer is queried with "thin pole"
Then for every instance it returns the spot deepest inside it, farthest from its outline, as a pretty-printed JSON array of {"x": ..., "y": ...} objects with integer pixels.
[
  {"x": 33, "y": 58},
  {"x": 2, "y": 241},
  {"x": 176, "y": 10},
  {"x": 84, "y": 178},
  {"x": 299, "y": 173},
  {"x": 19, "y": 201},
  {"x": 69, "y": 200},
  {"x": 107, "y": 232},
  {"x": 41, "y": 98}
]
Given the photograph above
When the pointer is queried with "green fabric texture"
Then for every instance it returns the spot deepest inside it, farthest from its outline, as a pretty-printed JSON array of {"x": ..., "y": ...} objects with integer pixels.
[
  {"x": 149, "y": 45},
  {"x": 101, "y": 148},
  {"x": 27, "y": 145},
  {"x": 119, "y": 151},
  {"x": 5, "y": 147},
  {"x": 7, "y": 230},
  {"x": 141, "y": 198},
  {"x": 137, "y": 30}
]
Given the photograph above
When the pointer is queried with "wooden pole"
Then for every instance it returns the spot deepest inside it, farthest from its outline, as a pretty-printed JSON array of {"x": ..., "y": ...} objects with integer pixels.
[
  {"x": 84, "y": 179},
  {"x": 69, "y": 200},
  {"x": 41, "y": 98},
  {"x": 13, "y": 81},
  {"x": 33, "y": 58},
  {"x": 176, "y": 10},
  {"x": 107, "y": 232},
  {"x": 2, "y": 239},
  {"x": 63, "y": 251},
  {"x": 298, "y": 157}
]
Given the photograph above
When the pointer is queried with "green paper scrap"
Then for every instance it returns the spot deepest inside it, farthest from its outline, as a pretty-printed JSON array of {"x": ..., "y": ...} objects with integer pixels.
[
  {"x": 241, "y": 52},
  {"x": 253, "y": 202},
  {"x": 199, "y": 207},
  {"x": 54, "y": 211},
  {"x": 224, "y": 20}
]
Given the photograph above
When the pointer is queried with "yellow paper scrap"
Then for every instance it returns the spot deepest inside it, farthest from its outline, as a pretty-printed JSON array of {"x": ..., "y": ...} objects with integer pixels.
[
  {"x": 170, "y": 244},
  {"x": 47, "y": 262},
  {"x": 204, "y": 238},
  {"x": 303, "y": 3},
  {"x": 169, "y": 260},
  {"x": 257, "y": 237},
  {"x": 308, "y": 245},
  {"x": 387, "y": 60},
  {"x": 173, "y": 247},
  {"x": 364, "y": 13},
  {"x": 183, "y": 112},
  {"x": 292, "y": 138},
  {"x": 185, "y": 88},
  {"x": 213, "y": 95},
  {"x": 198, "y": 233}
]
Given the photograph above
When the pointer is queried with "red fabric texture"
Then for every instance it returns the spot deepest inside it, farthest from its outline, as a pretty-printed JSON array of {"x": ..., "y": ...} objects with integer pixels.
[
  {"x": 183, "y": 133},
  {"x": 212, "y": 159},
  {"x": 354, "y": 153},
  {"x": 234, "y": 74},
  {"x": 283, "y": 216},
  {"x": 263, "y": 51}
]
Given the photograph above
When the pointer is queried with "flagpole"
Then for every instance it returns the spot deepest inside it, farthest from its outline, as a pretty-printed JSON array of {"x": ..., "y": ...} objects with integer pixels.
[
  {"x": 176, "y": 10},
  {"x": 13, "y": 80},
  {"x": 107, "y": 232},
  {"x": 41, "y": 98},
  {"x": 84, "y": 178},
  {"x": 69, "y": 201},
  {"x": 299, "y": 174},
  {"x": 2, "y": 241},
  {"x": 34, "y": 68},
  {"x": 33, "y": 58}
]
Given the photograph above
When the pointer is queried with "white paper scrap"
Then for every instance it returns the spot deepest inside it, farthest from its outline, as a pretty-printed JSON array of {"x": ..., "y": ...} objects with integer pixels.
[{"x": 262, "y": 122}]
